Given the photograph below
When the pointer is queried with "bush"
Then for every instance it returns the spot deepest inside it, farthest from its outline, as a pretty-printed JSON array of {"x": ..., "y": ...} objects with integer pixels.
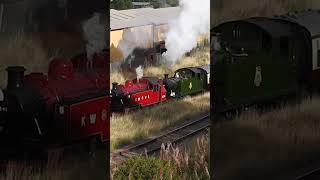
[
  {"x": 173, "y": 163},
  {"x": 141, "y": 167}
]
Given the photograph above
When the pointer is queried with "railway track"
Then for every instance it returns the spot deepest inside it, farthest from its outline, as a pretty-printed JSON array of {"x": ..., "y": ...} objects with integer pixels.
[
  {"x": 136, "y": 108},
  {"x": 311, "y": 175},
  {"x": 153, "y": 145}
]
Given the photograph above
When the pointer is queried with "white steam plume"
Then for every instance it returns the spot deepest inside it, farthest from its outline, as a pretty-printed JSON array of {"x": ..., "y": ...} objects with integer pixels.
[
  {"x": 95, "y": 35},
  {"x": 138, "y": 37},
  {"x": 193, "y": 21},
  {"x": 139, "y": 72}
]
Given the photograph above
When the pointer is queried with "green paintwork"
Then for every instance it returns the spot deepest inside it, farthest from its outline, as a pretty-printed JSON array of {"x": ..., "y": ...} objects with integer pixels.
[
  {"x": 234, "y": 80},
  {"x": 191, "y": 85},
  {"x": 184, "y": 87}
]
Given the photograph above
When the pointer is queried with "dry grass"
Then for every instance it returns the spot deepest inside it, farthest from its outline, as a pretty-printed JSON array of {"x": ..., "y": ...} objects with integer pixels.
[
  {"x": 186, "y": 163},
  {"x": 147, "y": 122},
  {"x": 191, "y": 163},
  {"x": 273, "y": 144},
  {"x": 197, "y": 58},
  {"x": 227, "y": 10},
  {"x": 68, "y": 168}
]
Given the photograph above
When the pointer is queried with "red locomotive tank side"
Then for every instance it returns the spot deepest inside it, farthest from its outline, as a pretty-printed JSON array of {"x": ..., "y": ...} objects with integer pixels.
[
  {"x": 86, "y": 93},
  {"x": 90, "y": 119},
  {"x": 143, "y": 92}
]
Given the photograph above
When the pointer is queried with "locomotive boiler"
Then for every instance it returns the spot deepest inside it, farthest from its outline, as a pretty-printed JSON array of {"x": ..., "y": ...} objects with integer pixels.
[{"x": 69, "y": 104}]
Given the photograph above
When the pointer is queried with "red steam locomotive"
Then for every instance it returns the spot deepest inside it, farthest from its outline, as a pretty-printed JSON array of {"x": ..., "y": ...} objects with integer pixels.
[
  {"x": 137, "y": 93},
  {"x": 69, "y": 104}
]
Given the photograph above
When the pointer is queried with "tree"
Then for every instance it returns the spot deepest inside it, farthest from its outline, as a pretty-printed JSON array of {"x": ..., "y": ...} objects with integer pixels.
[
  {"x": 155, "y": 3},
  {"x": 121, "y": 4},
  {"x": 173, "y": 3}
]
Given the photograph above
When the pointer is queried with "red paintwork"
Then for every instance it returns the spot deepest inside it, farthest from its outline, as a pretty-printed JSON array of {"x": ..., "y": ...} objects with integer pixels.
[
  {"x": 61, "y": 69},
  {"x": 81, "y": 126},
  {"x": 64, "y": 81},
  {"x": 141, "y": 92}
]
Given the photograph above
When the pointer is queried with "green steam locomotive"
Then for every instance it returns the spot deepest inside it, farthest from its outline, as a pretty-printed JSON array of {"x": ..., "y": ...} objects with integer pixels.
[{"x": 187, "y": 81}]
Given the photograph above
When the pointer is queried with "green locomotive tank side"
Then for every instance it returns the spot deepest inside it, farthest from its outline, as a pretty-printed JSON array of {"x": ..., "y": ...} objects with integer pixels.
[
  {"x": 191, "y": 85},
  {"x": 257, "y": 77},
  {"x": 187, "y": 81}
]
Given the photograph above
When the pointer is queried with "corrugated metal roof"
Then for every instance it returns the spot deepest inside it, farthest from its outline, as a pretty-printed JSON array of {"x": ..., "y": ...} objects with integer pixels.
[
  {"x": 309, "y": 19},
  {"x": 141, "y": 17}
]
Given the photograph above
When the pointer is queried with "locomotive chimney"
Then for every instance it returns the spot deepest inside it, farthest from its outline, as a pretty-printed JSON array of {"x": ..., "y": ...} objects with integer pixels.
[
  {"x": 15, "y": 77},
  {"x": 114, "y": 85},
  {"x": 166, "y": 76}
]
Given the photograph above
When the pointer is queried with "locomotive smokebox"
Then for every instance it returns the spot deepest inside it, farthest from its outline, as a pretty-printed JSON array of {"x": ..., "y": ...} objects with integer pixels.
[{"x": 15, "y": 77}]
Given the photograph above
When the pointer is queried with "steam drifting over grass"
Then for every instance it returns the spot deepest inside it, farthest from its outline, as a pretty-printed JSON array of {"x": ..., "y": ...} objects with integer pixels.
[{"x": 197, "y": 58}]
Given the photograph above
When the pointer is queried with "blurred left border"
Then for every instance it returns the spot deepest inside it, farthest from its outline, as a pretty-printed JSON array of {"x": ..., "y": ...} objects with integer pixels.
[{"x": 54, "y": 89}]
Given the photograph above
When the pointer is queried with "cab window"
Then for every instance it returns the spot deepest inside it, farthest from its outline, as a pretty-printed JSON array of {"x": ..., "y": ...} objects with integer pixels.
[{"x": 156, "y": 87}]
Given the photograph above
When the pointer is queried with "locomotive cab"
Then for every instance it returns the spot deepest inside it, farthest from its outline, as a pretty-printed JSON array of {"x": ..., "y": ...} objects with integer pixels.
[{"x": 118, "y": 98}]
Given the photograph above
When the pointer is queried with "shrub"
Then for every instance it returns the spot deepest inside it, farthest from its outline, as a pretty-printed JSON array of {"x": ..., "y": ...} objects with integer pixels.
[
  {"x": 173, "y": 163},
  {"x": 141, "y": 167}
]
